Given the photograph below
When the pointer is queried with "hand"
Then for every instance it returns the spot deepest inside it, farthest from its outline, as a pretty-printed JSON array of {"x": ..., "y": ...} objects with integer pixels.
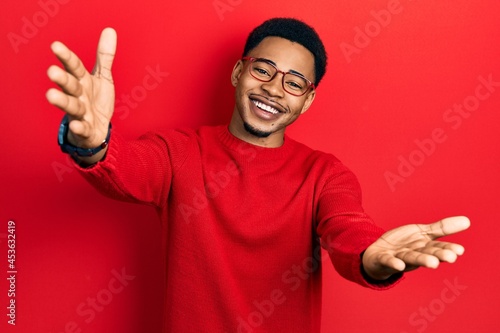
[
  {"x": 88, "y": 99},
  {"x": 410, "y": 246}
]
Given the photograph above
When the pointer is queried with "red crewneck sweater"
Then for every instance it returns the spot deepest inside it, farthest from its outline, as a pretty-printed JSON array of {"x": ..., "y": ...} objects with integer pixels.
[{"x": 242, "y": 226}]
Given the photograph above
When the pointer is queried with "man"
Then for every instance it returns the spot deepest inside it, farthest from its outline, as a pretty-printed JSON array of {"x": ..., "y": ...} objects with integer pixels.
[{"x": 244, "y": 208}]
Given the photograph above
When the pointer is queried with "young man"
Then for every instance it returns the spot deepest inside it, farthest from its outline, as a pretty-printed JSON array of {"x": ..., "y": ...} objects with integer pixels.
[{"x": 244, "y": 208}]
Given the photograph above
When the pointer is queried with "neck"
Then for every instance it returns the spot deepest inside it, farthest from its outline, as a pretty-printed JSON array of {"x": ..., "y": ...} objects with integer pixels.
[{"x": 237, "y": 128}]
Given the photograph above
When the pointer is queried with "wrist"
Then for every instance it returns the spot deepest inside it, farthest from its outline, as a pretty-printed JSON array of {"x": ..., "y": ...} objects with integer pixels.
[
  {"x": 78, "y": 152},
  {"x": 371, "y": 273}
]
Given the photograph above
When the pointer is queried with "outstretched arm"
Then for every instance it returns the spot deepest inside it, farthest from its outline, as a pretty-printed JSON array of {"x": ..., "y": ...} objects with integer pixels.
[
  {"x": 411, "y": 246},
  {"x": 87, "y": 98}
]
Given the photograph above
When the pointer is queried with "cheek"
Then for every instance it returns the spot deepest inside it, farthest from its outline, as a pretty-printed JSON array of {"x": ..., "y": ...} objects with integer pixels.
[
  {"x": 239, "y": 92},
  {"x": 240, "y": 97},
  {"x": 243, "y": 89},
  {"x": 296, "y": 106}
]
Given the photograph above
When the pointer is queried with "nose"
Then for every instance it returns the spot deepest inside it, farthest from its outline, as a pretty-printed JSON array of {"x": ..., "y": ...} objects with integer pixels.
[{"x": 275, "y": 86}]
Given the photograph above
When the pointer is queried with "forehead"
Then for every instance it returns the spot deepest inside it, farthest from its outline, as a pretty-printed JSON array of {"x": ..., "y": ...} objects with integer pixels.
[{"x": 286, "y": 54}]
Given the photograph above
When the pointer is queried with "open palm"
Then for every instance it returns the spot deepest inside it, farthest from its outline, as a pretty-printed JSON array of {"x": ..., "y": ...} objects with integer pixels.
[
  {"x": 87, "y": 98},
  {"x": 411, "y": 246}
]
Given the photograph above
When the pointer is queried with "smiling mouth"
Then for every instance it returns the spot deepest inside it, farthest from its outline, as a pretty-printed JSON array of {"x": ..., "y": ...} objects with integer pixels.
[{"x": 265, "y": 107}]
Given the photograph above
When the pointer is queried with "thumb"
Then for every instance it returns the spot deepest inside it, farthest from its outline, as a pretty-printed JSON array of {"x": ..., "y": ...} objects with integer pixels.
[
  {"x": 106, "y": 51},
  {"x": 446, "y": 226}
]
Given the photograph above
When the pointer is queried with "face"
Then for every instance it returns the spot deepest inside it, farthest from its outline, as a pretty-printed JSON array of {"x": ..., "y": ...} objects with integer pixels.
[{"x": 264, "y": 109}]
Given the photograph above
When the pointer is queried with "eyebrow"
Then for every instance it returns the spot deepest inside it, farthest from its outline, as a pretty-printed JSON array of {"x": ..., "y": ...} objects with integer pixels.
[{"x": 273, "y": 63}]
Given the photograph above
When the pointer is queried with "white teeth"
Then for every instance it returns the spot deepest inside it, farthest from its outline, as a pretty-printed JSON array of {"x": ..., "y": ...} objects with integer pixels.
[{"x": 265, "y": 107}]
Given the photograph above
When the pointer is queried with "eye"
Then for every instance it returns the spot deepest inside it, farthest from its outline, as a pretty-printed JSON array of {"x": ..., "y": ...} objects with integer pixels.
[
  {"x": 294, "y": 85},
  {"x": 261, "y": 71}
]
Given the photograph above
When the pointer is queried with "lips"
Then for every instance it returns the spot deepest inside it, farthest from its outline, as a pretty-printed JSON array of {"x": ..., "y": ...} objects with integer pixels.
[{"x": 267, "y": 105}]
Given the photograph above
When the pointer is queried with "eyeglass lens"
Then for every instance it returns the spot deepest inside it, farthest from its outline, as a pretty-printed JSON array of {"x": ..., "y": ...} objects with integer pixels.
[{"x": 292, "y": 83}]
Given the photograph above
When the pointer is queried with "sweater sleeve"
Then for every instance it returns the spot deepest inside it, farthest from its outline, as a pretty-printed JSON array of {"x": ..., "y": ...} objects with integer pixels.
[
  {"x": 141, "y": 170},
  {"x": 345, "y": 230}
]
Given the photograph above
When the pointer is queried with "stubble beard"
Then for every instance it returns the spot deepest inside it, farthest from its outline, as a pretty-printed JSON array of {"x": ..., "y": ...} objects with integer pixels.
[{"x": 254, "y": 131}]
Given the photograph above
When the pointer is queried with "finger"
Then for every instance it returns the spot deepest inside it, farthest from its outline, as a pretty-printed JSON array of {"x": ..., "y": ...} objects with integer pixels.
[
  {"x": 69, "y": 104},
  {"x": 447, "y": 226},
  {"x": 80, "y": 129},
  {"x": 441, "y": 254},
  {"x": 106, "y": 51},
  {"x": 456, "y": 248},
  {"x": 444, "y": 251},
  {"x": 70, "y": 60},
  {"x": 416, "y": 258},
  {"x": 67, "y": 82},
  {"x": 392, "y": 262}
]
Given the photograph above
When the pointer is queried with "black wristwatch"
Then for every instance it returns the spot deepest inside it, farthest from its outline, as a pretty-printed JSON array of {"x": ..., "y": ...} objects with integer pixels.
[{"x": 68, "y": 148}]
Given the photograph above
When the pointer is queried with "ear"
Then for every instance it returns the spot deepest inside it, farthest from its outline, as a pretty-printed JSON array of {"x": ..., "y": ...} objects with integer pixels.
[
  {"x": 237, "y": 70},
  {"x": 309, "y": 99}
]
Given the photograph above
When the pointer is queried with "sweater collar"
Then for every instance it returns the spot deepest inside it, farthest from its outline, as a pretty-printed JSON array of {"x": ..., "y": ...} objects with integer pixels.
[{"x": 228, "y": 140}]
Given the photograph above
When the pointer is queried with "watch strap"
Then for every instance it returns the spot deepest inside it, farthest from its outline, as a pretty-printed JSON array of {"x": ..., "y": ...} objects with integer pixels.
[{"x": 68, "y": 148}]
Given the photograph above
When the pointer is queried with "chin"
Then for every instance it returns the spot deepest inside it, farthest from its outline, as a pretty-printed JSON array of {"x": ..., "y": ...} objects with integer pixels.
[{"x": 255, "y": 131}]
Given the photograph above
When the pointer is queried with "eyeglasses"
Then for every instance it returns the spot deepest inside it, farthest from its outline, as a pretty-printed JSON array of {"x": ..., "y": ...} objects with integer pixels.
[{"x": 265, "y": 71}]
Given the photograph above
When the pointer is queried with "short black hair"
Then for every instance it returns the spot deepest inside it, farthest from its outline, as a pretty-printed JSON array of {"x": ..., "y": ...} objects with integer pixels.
[{"x": 296, "y": 31}]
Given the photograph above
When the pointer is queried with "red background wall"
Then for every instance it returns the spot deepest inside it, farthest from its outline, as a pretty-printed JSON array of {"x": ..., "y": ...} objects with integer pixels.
[{"x": 393, "y": 80}]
